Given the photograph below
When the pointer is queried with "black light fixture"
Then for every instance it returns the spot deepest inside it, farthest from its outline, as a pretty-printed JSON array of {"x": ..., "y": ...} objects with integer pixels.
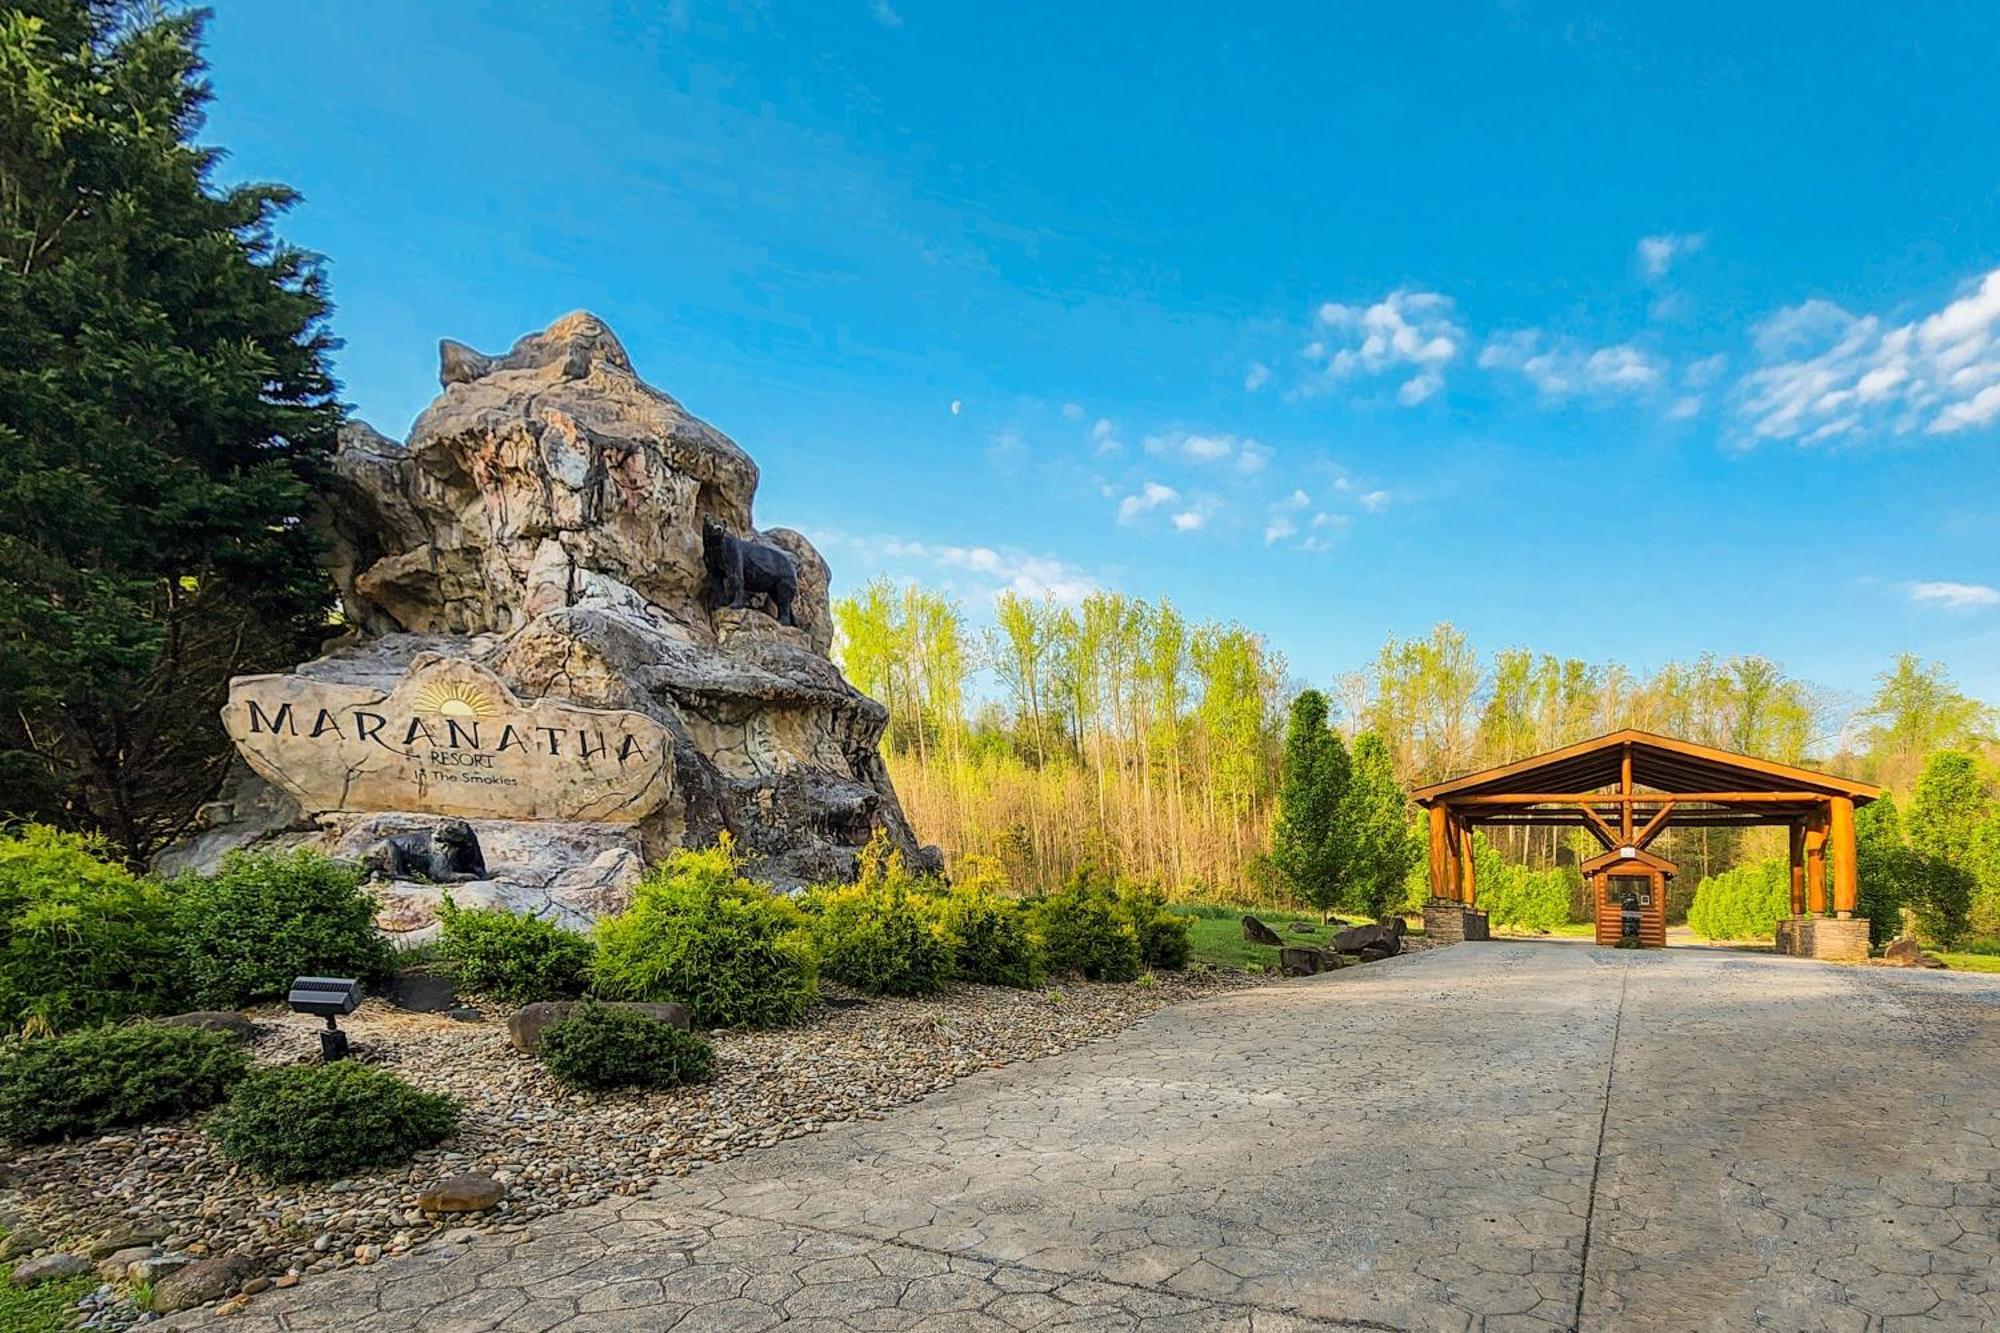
[{"x": 328, "y": 997}]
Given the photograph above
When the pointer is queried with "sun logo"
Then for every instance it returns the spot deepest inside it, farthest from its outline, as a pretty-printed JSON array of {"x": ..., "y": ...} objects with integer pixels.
[{"x": 454, "y": 699}]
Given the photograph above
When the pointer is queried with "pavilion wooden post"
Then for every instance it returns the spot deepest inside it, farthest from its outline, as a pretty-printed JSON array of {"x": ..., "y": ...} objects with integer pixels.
[
  {"x": 1840, "y": 834},
  {"x": 1797, "y": 859},
  {"x": 1816, "y": 865},
  {"x": 1441, "y": 886},
  {"x": 1625, "y": 790},
  {"x": 1469, "y": 887}
]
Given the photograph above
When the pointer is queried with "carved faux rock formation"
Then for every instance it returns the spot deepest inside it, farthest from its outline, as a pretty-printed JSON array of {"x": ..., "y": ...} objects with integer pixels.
[{"x": 542, "y": 529}]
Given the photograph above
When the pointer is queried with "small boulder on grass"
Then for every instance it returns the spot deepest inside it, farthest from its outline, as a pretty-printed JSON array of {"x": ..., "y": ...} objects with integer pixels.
[
  {"x": 598, "y": 1046},
  {"x": 321, "y": 1122}
]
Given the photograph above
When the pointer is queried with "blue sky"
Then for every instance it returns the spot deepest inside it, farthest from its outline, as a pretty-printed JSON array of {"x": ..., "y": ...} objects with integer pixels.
[{"x": 1621, "y": 331}]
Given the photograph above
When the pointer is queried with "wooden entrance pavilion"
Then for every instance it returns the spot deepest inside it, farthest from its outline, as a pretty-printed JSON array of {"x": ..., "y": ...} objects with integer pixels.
[{"x": 1627, "y": 788}]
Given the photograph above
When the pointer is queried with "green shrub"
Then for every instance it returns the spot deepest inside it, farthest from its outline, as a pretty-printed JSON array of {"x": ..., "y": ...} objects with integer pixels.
[
  {"x": 82, "y": 940},
  {"x": 1163, "y": 935},
  {"x": 989, "y": 937},
  {"x": 264, "y": 918},
  {"x": 1081, "y": 927},
  {"x": 515, "y": 959},
  {"x": 1745, "y": 903},
  {"x": 321, "y": 1122},
  {"x": 100, "y": 1078},
  {"x": 601, "y": 1047},
  {"x": 880, "y": 939},
  {"x": 734, "y": 952}
]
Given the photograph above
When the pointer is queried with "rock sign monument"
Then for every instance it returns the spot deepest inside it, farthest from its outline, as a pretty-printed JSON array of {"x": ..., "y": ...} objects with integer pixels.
[{"x": 542, "y": 643}]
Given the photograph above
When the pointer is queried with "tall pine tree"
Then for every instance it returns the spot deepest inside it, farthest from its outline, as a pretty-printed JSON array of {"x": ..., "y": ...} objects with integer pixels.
[
  {"x": 1309, "y": 843},
  {"x": 165, "y": 412}
]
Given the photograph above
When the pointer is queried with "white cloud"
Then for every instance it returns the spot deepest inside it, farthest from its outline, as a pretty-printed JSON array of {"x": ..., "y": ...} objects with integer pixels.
[
  {"x": 1278, "y": 529},
  {"x": 1955, "y": 596},
  {"x": 1188, "y": 520},
  {"x": 1565, "y": 368},
  {"x": 1104, "y": 436},
  {"x": 1375, "y": 501},
  {"x": 1072, "y": 411},
  {"x": 1828, "y": 373},
  {"x": 1148, "y": 497},
  {"x": 957, "y": 406},
  {"x": 1256, "y": 377},
  {"x": 1657, "y": 254},
  {"x": 884, "y": 14},
  {"x": 991, "y": 570},
  {"x": 1405, "y": 333},
  {"x": 1251, "y": 455}
]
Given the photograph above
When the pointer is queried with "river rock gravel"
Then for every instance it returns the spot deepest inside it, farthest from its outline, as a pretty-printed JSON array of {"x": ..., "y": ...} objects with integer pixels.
[{"x": 553, "y": 1148}]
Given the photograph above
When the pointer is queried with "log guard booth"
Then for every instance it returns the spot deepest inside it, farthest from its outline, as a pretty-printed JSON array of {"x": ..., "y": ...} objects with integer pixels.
[{"x": 1627, "y": 788}]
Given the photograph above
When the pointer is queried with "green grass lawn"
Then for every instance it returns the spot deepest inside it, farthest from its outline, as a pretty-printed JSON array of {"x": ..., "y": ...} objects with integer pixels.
[
  {"x": 1971, "y": 962},
  {"x": 1217, "y": 935},
  {"x": 43, "y": 1308}
]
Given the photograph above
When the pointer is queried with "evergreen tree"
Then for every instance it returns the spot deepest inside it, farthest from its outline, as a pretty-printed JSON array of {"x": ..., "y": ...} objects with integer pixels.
[
  {"x": 165, "y": 409},
  {"x": 1309, "y": 842},
  {"x": 1889, "y": 873},
  {"x": 1374, "y": 821},
  {"x": 1944, "y": 825}
]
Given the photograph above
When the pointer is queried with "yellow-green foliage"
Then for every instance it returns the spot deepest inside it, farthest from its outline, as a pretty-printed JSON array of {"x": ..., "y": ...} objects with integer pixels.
[
  {"x": 1742, "y": 904},
  {"x": 82, "y": 940},
  {"x": 735, "y": 952},
  {"x": 880, "y": 938}
]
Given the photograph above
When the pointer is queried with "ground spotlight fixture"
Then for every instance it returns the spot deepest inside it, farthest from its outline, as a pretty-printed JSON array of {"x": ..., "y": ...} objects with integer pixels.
[{"x": 328, "y": 997}]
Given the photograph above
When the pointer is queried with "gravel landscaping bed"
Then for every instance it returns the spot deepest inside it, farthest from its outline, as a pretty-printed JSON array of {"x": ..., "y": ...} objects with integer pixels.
[{"x": 551, "y": 1147}]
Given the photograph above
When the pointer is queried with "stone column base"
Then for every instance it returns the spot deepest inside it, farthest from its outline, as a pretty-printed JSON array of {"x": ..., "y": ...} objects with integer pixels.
[
  {"x": 1450, "y": 922},
  {"x": 1830, "y": 939}
]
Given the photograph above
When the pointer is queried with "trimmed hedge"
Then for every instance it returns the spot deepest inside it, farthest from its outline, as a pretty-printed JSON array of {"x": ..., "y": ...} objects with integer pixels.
[
  {"x": 1742, "y": 904},
  {"x": 734, "y": 952},
  {"x": 102, "y": 1078},
  {"x": 82, "y": 940},
  {"x": 600, "y": 1047},
  {"x": 264, "y": 918},
  {"x": 515, "y": 959},
  {"x": 322, "y": 1122}
]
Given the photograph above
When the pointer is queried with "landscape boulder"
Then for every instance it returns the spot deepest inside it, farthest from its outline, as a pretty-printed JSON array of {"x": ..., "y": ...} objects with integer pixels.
[
  {"x": 49, "y": 1267},
  {"x": 1302, "y": 960},
  {"x": 526, "y": 1025},
  {"x": 421, "y": 990},
  {"x": 1906, "y": 952},
  {"x": 468, "y": 1192},
  {"x": 203, "y": 1281},
  {"x": 1372, "y": 943},
  {"x": 1256, "y": 932}
]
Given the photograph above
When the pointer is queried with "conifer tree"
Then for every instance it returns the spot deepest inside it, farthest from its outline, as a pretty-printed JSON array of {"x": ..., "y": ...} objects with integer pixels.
[
  {"x": 1374, "y": 820},
  {"x": 165, "y": 412},
  {"x": 1309, "y": 842}
]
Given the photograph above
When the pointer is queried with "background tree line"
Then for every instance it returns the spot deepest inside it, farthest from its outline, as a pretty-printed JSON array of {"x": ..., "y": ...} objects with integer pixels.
[{"x": 1117, "y": 732}]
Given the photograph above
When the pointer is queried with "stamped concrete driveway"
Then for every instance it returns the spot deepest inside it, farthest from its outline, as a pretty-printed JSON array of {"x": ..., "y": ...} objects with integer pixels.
[{"x": 1492, "y": 1136}]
